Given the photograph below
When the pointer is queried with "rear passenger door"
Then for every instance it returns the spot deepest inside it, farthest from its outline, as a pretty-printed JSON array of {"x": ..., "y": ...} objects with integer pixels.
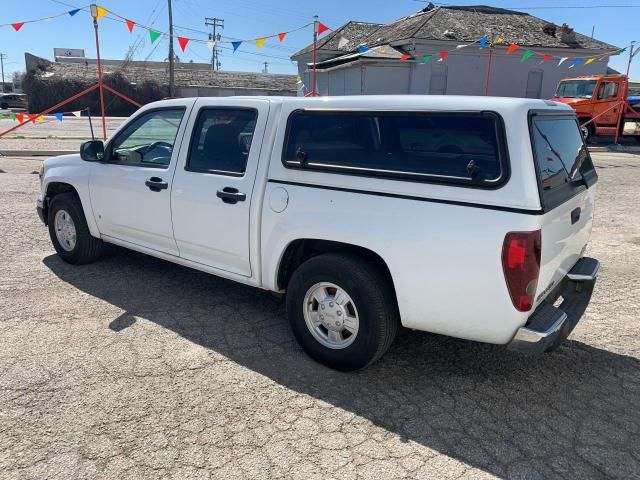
[{"x": 213, "y": 185}]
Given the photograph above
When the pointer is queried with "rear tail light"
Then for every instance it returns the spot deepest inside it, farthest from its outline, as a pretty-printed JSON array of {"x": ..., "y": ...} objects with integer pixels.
[{"x": 521, "y": 265}]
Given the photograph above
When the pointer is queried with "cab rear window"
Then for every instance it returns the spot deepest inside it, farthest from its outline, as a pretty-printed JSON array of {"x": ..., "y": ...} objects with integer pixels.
[
  {"x": 563, "y": 161},
  {"x": 464, "y": 147}
]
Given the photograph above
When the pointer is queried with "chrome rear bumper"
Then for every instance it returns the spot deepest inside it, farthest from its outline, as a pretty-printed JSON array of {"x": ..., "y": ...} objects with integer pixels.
[{"x": 549, "y": 326}]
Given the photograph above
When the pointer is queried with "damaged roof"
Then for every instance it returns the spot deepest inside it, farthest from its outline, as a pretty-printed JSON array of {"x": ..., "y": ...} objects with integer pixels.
[{"x": 461, "y": 24}]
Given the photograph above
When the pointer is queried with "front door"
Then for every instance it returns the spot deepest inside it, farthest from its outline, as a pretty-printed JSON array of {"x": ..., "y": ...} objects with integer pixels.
[
  {"x": 606, "y": 98},
  {"x": 131, "y": 189},
  {"x": 213, "y": 184}
]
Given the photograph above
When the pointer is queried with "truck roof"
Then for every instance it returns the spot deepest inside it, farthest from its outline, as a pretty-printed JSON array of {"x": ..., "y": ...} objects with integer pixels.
[{"x": 403, "y": 102}]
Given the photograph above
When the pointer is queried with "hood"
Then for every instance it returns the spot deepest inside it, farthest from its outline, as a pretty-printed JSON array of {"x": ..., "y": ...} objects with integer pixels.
[
  {"x": 570, "y": 101},
  {"x": 63, "y": 160}
]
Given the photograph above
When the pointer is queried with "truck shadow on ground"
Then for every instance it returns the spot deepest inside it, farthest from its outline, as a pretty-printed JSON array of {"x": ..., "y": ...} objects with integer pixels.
[{"x": 574, "y": 413}]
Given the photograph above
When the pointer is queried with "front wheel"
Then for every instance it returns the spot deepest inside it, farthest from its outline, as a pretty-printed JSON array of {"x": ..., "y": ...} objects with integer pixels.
[
  {"x": 69, "y": 231},
  {"x": 342, "y": 310}
]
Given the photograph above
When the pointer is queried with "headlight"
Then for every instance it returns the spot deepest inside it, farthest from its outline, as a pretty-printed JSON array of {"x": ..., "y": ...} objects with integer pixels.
[{"x": 41, "y": 173}]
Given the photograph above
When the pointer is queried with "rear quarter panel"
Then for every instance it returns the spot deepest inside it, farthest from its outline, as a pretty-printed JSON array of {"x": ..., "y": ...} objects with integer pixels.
[{"x": 444, "y": 258}]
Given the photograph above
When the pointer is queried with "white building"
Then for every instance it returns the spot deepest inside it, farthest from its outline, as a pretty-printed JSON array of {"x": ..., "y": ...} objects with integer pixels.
[{"x": 342, "y": 69}]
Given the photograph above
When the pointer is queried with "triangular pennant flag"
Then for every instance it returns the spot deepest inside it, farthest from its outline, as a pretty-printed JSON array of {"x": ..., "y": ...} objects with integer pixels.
[
  {"x": 282, "y": 35},
  {"x": 363, "y": 49},
  {"x": 153, "y": 35},
  {"x": 458, "y": 47},
  {"x": 483, "y": 41},
  {"x": 77, "y": 113},
  {"x": 32, "y": 117},
  {"x": 499, "y": 40},
  {"x": 58, "y": 116},
  {"x": 130, "y": 24},
  {"x": 17, "y": 26},
  {"x": 322, "y": 28},
  {"x": 100, "y": 12},
  {"x": 512, "y": 48},
  {"x": 235, "y": 45},
  {"x": 425, "y": 59},
  {"x": 260, "y": 42},
  {"x": 562, "y": 60},
  {"x": 636, "y": 52},
  {"x": 20, "y": 117},
  {"x": 405, "y": 57},
  {"x": 546, "y": 58},
  {"x": 443, "y": 55},
  {"x": 1, "y": 116},
  {"x": 183, "y": 41},
  {"x": 12, "y": 116},
  {"x": 527, "y": 54},
  {"x": 73, "y": 12},
  {"x": 298, "y": 78},
  {"x": 211, "y": 45},
  {"x": 621, "y": 51},
  {"x": 41, "y": 118},
  {"x": 589, "y": 60},
  {"x": 343, "y": 42}
]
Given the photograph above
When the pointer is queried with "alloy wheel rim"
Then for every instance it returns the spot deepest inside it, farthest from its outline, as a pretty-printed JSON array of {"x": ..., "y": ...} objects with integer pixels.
[
  {"x": 65, "y": 230},
  {"x": 331, "y": 315}
]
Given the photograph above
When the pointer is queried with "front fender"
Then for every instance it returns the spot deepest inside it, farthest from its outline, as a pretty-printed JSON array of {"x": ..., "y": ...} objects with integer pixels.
[{"x": 73, "y": 171}]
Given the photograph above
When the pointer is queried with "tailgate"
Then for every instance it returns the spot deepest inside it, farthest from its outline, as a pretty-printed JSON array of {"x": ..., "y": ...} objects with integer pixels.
[{"x": 567, "y": 191}]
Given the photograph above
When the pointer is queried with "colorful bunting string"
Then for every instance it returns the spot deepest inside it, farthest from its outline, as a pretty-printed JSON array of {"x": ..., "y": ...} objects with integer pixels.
[{"x": 260, "y": 42}]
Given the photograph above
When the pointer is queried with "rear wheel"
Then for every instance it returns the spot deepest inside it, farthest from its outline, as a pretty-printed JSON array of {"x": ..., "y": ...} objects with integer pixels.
[
  {"x": 342, "y": 310},
  {"x": 69, "y": 231},
  {"x": 4, "y": 106}
]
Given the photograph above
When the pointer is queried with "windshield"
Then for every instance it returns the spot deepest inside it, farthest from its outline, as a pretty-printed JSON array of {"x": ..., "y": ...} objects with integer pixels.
[{"x": 576, "y": 89}]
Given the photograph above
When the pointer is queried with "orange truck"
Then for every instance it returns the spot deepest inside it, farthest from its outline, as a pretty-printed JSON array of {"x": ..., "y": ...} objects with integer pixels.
[{"x": 601, "y": 103}]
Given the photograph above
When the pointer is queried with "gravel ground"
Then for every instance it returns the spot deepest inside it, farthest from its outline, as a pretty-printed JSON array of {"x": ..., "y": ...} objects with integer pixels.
[{"x": 136, "y": 368}]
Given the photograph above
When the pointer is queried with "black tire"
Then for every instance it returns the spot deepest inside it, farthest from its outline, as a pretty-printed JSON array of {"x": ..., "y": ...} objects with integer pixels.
[
  {"x": 374, "y": 298},
  {"x": 87, "y": 249},
  {"x": 4, "y": 106},
  {"x": 590, "y": 138}
]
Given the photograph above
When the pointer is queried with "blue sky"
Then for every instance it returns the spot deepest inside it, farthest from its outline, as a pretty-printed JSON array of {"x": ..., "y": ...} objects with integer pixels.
[{"x": 254, "y": 18}]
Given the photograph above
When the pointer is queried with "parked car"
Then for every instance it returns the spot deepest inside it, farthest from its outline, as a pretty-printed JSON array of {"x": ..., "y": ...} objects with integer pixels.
[
  {"x": 13, "y": 100},
  {"x": 461, "y": 216}
]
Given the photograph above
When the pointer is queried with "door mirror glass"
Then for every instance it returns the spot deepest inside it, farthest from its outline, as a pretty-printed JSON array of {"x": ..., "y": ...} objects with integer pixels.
[{"x": 92, "y": 151}]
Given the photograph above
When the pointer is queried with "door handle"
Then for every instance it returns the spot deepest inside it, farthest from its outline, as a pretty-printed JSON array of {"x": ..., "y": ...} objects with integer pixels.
[
  {"x": 156, "y": 184},
  {"x": 231, "y": 195}
]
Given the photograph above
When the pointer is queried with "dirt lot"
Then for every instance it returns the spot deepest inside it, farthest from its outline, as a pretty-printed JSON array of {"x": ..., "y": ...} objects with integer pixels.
[{"x": 136, "y": 368}]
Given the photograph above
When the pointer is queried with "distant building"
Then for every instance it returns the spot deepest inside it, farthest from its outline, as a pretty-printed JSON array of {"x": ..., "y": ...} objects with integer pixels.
[
  {"x": 343, "y": 70},
  {"x": 191, "y": 79}
]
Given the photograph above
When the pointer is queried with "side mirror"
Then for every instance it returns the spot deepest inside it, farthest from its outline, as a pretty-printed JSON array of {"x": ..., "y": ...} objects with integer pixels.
[{"x": 92, "y": 151}]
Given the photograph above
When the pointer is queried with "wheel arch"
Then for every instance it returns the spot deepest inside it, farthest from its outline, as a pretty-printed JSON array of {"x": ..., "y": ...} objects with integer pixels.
[
  {"x": 56, "y": 187},
  {"x": 300, "y": 250}
]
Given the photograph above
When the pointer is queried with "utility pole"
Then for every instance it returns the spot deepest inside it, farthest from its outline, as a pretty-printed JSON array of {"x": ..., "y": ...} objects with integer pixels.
[
  {"x": 214, "y": 23},
  {"x": 172, "y": 86},
  {"x": 2, "y": 57},
  {"x": 625, "y": 94}
]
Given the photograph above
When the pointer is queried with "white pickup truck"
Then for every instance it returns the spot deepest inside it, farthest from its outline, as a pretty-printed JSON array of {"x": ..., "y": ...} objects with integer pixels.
[{"x": 462, "y": 216}]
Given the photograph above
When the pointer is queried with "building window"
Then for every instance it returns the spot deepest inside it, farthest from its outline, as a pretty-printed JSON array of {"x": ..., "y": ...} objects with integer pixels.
[
  {"x": 438, "y": 81},
  {"x": 534, "y": 84}
]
